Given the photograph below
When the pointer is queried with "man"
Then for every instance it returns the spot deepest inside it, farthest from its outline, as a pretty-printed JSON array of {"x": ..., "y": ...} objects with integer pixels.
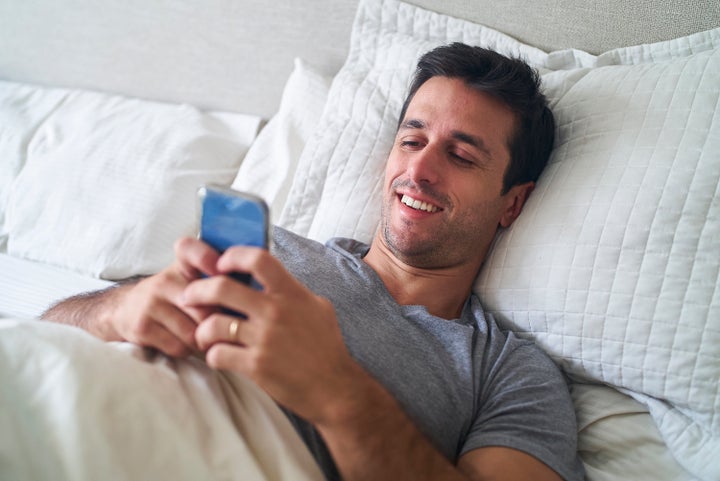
[{"x": 381, "y": 355}]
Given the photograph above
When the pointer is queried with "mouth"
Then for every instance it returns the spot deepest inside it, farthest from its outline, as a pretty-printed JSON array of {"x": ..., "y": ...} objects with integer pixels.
[{"x": 418, "y": 204}]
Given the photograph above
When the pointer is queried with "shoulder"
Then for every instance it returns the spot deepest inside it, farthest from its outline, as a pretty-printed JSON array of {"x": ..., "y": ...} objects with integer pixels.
[
  {"x": 514, "y": 364},
  {"x": 503, "y": 349},
  {"x": 524, "y": 402},
  {"x": 283, "y": 240},
  {"x": 323, "y": 268},
  {"x": 286, "y": 243},
  {"x": 295, "y": 250}
]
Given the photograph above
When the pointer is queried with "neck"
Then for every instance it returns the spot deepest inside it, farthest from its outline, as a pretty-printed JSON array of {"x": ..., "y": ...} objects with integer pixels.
[{"x": 443, "y": 290}]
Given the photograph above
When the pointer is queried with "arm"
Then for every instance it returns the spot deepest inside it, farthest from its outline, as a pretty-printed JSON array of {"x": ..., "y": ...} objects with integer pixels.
[
  {"x": 91, "y": 311},
  {"x": 146, "y": 311},
  {"x": 291, "y": 346},
  {"x": 376, "y": 440}
]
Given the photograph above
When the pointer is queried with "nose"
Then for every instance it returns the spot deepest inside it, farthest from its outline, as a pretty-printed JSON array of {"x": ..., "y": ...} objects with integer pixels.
[{"x": 424, "y": 166}]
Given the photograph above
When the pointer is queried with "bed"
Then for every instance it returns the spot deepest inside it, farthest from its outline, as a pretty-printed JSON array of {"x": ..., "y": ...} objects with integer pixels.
[{"x": 113, "y": 113}]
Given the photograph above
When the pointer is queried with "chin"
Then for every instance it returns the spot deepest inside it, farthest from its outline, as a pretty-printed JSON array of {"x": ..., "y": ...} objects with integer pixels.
[{"x": 404, "y": 245}]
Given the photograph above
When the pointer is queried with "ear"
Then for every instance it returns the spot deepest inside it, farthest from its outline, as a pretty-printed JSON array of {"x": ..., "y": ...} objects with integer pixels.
[{"x": 516, "y": 198}]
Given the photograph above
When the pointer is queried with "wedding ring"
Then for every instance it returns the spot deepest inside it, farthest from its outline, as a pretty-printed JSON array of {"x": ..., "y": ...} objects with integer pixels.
[{"x": 233, "y": 330}]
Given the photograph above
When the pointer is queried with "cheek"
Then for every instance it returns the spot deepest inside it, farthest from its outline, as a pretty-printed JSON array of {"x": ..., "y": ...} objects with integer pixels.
[
  {"x": 392, "y": 164},
  {"x": 489, "y": 212},
  {"x": 392, "y": 171},
  {"x": 481, "y": 203}
]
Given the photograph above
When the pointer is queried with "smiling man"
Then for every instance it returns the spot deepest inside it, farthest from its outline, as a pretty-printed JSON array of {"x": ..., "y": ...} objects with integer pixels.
[
  {"x": 381, "y": 355},
  {"x": 444, "y": 185}
]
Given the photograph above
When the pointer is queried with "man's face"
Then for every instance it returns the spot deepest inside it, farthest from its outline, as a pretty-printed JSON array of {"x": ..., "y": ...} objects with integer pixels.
[{"x": 444, "y": 176}]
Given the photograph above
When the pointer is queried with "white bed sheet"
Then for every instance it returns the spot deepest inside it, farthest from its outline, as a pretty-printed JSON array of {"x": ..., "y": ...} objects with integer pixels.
[
  {"x": 159, "y": 418},
  {"x": 27, "y": 288},
  {"x": 618, "y": 439}
]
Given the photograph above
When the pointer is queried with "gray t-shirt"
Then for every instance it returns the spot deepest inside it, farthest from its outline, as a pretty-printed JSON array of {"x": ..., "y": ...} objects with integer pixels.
[{"x": 464, "y": 382}]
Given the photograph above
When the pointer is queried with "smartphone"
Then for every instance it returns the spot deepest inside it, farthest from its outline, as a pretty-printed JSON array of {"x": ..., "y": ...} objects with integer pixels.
[{"x": 229, "y": 217}]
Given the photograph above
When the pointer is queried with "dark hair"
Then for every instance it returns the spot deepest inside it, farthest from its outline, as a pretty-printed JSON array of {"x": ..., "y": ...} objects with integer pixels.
[{"x": 515, "y": 84}]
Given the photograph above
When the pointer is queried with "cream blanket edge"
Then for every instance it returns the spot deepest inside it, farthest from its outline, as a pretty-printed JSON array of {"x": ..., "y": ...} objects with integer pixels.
[{"x": 75, "y": 408}]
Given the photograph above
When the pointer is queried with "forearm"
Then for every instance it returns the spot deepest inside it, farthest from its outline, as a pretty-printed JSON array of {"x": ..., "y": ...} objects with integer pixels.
[
  {"x": 91, "y": 311},
  {"x": 371, "y": 437}
]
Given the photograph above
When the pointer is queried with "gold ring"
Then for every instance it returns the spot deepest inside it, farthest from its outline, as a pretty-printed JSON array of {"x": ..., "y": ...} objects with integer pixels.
[{"x": 234, "y": 325}]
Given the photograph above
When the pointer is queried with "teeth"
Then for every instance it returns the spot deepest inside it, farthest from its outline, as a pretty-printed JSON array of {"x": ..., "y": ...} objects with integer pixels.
[{"x": 416, "y": 204}]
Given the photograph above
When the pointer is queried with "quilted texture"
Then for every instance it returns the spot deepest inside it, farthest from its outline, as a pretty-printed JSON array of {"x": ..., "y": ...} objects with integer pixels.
[{"x": 614, "y": 266}]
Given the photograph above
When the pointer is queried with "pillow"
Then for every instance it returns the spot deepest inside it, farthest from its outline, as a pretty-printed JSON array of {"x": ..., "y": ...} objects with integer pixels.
[
  {"x": 614, "y": 266},
  {"x": 21, "y": 112},
  {"x": 271, "y": 161},
  {"x": 619, "y": 243},
  {"x": 108, "y": 182}
]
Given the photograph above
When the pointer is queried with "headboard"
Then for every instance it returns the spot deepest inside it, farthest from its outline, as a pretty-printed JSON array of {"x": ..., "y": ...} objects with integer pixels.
[{"x": 242, "y": 64}]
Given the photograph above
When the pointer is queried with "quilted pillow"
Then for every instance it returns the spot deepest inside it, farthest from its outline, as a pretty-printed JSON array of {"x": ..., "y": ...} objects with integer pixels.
[
  {"x": 614, "y": 265},
  {"x": 614, "y": 268},
  {"x": 108, "y": 183}
]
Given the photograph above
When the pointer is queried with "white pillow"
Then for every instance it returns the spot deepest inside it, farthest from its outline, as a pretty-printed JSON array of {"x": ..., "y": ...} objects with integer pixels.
[
  {"x": 109, "y": 182},
  {"x": 614, "y": 266},
  {"x": 21, "y": 112},
  {"x": 628, "y": 299},
  {"x": 271, "y": 163}
]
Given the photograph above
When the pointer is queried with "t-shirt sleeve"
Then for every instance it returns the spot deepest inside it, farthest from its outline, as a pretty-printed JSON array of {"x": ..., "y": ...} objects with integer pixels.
[{"x": 525, "y": 404}]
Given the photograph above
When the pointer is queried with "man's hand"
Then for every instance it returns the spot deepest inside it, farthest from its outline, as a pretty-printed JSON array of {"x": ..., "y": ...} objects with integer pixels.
[
  {"x": 289, "y": 343},
  {"x": 153, "y": 313},
  {"x": 150, "y": 312}
]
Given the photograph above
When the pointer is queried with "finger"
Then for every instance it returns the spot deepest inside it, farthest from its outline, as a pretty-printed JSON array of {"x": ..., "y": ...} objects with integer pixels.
[
  {"x": 224, "y": 328},
  {"x": 222, "y": 292},
  {"x": 229, "y": 357},
  {"x": 197, "y": 314},
  {"x": 194, "y": 258},
  {"x": 156, "y": 300},
  {"x": 150, "y": 304},
  {"x": 177, "y": 322},
  {"x": 263, "y": 266},
  {"x": 172, "y": 290},
  {"x": 155, "y": 335}
]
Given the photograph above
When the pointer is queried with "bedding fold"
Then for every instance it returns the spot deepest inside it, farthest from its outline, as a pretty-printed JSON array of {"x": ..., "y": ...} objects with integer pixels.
[{"x": 75, "y": 408}]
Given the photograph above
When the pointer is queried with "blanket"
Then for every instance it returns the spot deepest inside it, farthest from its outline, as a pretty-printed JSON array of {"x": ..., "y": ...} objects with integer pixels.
[{"x": 75, "y": 408}]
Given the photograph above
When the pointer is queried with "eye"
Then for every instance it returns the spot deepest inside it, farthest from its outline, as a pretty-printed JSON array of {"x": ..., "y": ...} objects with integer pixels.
[
  {"x": 461, "y": 159},
  {"x": 411, "y": 144}
]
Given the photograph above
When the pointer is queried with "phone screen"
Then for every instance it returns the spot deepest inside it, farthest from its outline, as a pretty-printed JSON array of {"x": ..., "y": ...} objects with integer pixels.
[{"x": 229, "y": 217}]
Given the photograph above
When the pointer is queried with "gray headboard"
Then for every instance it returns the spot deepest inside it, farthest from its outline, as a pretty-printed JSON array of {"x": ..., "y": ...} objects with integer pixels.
[
  {"x": 589, "y": 25},
  {"x": 236, "y": 54}
]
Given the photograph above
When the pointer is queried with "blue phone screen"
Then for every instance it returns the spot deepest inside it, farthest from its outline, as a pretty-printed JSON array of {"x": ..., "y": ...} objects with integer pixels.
[{"x": 230, "y": 219}]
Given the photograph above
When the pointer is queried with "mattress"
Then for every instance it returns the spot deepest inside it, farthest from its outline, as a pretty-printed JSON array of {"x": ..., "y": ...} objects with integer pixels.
[{"x": 28, "y": 288}]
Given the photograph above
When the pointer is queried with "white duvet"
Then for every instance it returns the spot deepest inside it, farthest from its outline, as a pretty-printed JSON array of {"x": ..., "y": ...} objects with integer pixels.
[{"x": 75, "y": 408}]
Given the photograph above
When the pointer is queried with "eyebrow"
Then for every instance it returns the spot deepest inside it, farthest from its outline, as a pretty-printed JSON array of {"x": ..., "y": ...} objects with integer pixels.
[
  {"x": 464, "y": 137},
  {"x": 413, "y": 124}
]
